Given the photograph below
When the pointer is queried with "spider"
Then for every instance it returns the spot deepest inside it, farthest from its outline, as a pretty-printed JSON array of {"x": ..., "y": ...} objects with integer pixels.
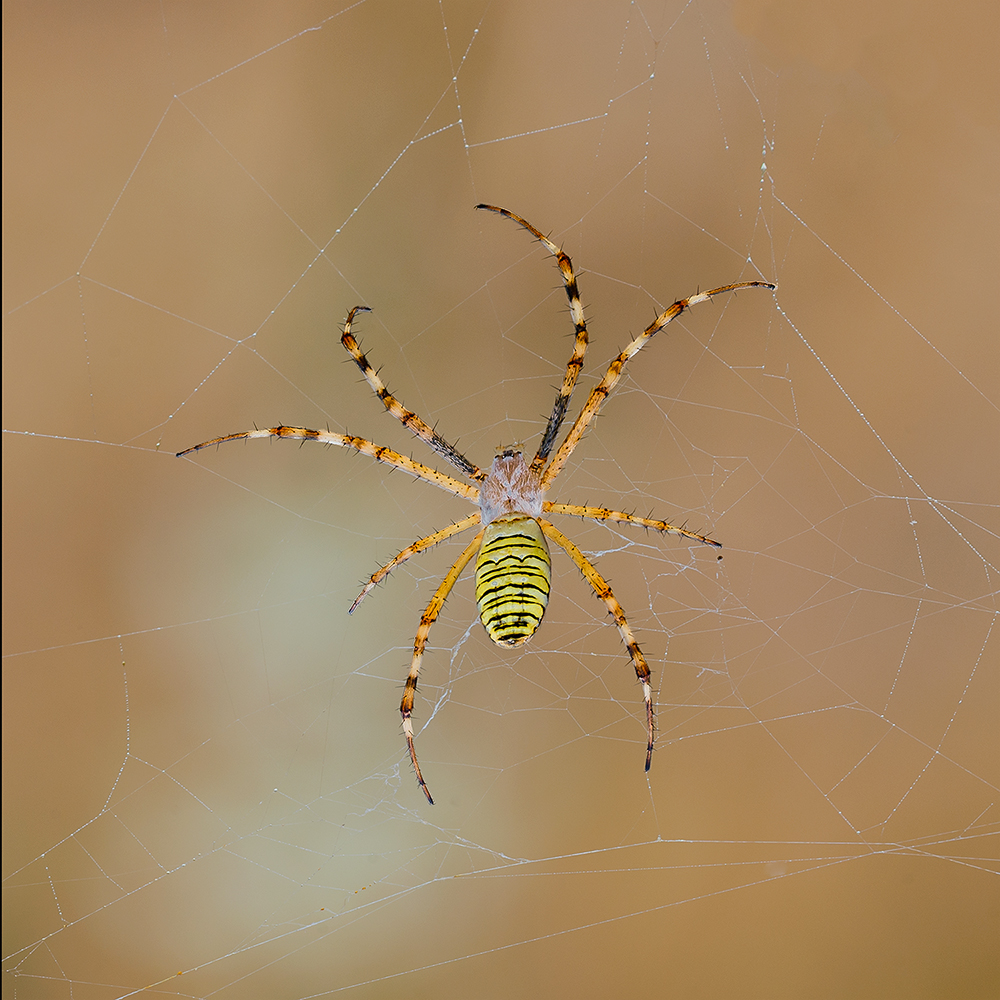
[{"x": 513, "y": 566}]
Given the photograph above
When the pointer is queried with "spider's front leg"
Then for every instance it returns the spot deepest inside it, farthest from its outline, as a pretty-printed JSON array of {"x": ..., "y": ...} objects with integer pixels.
[
  {"x": 420, "y": 642},
  {"x": 380, "y": 453},
  {"x": 603, "y": 388},
  {"x": 406, "y": 417},
  {"x": 580, "y": 344}
]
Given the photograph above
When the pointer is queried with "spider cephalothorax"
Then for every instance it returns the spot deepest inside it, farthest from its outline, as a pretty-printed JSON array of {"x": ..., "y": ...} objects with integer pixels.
[{"x": 513, "y": 566}]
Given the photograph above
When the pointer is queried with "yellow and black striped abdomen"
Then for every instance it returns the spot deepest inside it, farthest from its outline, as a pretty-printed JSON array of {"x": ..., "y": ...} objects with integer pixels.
[{"x": 513, "y": 574}]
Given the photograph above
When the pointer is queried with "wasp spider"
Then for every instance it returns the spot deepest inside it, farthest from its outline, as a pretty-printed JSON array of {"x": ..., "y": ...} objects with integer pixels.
[{"x": 513, "y": 567}]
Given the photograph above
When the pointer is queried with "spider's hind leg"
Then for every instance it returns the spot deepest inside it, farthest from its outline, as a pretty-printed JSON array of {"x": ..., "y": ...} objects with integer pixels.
[
  {"x": 419, "y": 644},
  {"x": 603, "y": 590},
  {"x": 411, "y": 550}
]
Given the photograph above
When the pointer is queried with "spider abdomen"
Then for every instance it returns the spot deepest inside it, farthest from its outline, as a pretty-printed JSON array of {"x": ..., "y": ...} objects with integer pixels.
[{"x": 513, "y": 576}]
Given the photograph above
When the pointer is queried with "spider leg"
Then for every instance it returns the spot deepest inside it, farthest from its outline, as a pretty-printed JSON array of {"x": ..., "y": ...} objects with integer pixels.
[
  {"x": 579, "y": 347},
  {"x": 603, "y": 591},
  {"x": 406, "y": 417},
  {"x": 600, "y": 392},
  {"x": 420, "y": 642},
  {"x": 604, "y": 514},
  {"x": 412, "y": 550},
  {"x": 376, "y": 451}
]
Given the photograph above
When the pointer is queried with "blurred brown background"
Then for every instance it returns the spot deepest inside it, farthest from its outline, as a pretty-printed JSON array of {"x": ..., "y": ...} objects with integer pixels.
[{"x": 203, "y": 767}]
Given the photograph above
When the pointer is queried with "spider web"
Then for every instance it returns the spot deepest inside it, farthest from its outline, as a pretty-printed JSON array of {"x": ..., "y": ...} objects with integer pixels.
[{"x": 206, "y": 791}]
